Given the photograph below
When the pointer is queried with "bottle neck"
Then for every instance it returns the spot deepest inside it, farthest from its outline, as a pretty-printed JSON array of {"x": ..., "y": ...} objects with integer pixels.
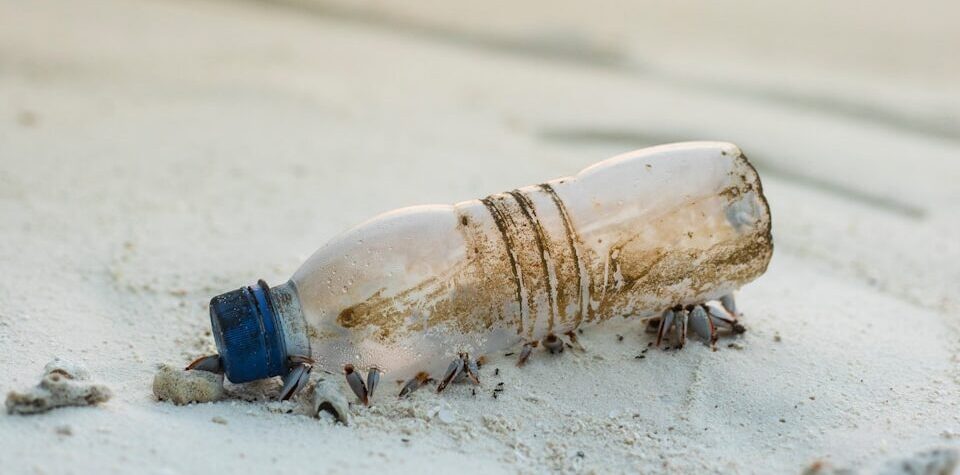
[{"x": 293, "y": 327}]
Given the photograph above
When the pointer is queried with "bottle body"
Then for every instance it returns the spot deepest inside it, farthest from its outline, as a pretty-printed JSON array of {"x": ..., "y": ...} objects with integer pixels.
[{"x": 629, "y": 237}]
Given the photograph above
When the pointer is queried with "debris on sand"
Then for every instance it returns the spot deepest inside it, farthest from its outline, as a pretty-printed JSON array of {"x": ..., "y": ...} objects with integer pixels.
[
  {"x": 931, "y": 462},
  {"x": 821, "y": 467},
  {"x": 329, "y": 398},
  {"x": 181, "y": 386},
  {"x": 63, "y": 384},
  {"x": 941, "y": 461}
]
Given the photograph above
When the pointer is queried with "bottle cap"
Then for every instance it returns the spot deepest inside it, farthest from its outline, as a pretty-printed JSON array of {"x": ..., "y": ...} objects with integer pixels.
[{"x": 248, "y": 334}]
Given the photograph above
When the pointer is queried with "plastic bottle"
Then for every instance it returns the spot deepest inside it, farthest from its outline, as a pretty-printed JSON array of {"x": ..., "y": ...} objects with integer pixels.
[{"x": 408, "y": 290}]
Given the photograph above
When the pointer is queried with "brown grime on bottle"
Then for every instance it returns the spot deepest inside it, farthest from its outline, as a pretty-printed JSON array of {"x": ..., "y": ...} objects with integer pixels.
[
  {"x": 546, "y": 261},
  {"x": 505, "y": 272},
  {"x": 574, "y": 243}
]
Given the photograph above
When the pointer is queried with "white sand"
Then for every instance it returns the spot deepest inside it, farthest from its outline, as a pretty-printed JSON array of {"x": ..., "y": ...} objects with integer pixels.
[{"x": 153, "y": 154}]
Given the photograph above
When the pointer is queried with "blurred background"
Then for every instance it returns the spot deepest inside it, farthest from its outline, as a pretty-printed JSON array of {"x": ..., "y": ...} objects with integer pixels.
[{"x": 858, "y": 57}]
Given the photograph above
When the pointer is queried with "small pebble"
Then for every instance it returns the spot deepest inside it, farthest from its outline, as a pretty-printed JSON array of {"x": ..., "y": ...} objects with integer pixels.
[
  {"x": 531, "y": 397},
  {"x": 218, "y": 420},
  {"x": 446, "y": 416}
]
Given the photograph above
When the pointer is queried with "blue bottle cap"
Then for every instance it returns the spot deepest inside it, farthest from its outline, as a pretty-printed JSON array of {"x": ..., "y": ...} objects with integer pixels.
[{"x": 248, "y": 334}]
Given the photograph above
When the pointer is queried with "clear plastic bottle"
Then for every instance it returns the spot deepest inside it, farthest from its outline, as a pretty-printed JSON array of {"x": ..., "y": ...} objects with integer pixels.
[{"x": 408, "y": 290}]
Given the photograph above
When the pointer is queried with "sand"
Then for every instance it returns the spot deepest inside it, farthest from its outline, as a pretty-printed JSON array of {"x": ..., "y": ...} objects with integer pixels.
[{"x": 153, "y": 154}]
